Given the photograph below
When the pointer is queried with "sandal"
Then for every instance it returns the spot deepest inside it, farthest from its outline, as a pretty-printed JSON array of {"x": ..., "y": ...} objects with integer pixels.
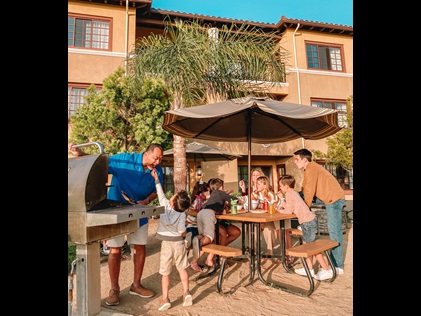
[{"x": 195, "y": 267}]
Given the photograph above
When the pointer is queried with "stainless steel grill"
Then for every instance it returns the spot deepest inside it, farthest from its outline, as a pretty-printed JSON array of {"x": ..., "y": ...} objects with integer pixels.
[{"x": 91, "y": 218}]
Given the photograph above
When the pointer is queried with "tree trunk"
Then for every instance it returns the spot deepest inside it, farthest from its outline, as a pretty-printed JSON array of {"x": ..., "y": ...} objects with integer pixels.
[{"x": 180, "y": 164}]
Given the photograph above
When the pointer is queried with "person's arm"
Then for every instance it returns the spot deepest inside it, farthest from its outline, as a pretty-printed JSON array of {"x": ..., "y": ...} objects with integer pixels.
[
  {"x": 161, "y": 195},
  {"x": 243, "y": 188}
]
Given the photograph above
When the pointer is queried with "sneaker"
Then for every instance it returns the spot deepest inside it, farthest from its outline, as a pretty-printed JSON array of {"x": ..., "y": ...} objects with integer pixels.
[
  {"x": 165, "y": 304},
  {"x": 339, "y": 270},
  {"x": 141, "y": 291},
  {"x": 187, "y": 299},
  {"x": 323, "y": 274},
  {"x": 113, "y": 298},
  {"x": 187, "y": 240},
  {"x": 196, "y": 247},
  {"x": 302, "y": 271}
]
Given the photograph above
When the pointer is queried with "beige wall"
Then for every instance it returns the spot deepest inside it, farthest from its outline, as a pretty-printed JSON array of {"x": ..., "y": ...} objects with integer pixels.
[
  {"x": 317, "y": 83},
  {"x": 93, "y": 66}
]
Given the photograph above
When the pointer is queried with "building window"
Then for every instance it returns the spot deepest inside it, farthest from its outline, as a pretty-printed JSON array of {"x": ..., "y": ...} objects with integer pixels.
[
  {"x": 344, "y": 177},
  {"x": 88, "y": 32},
  {"x": 75, "y": 98},
  {"x": 327, "y": 57},
  {"x": 340, "y": 106}
]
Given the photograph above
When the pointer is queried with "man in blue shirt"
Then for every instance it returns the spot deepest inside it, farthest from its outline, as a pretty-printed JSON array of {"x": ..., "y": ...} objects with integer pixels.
[{"x": 131, "y": 173}]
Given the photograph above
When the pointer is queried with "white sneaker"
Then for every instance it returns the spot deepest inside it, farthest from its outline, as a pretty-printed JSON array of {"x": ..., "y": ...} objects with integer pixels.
[
  {"x": 339, "y": 270},
  {"x": 302, "y": 271},
  {"x": 323, "y": 274}
]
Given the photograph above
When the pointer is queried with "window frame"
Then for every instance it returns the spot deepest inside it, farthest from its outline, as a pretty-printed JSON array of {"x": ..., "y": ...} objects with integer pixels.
[
  {"x": 327, "y": 57},
  {"x": 344, "y": 177},
  {"x": 93, "y": 19},
  {"x": 333, "y": 104},
  {"x": 72, "y": 106}
]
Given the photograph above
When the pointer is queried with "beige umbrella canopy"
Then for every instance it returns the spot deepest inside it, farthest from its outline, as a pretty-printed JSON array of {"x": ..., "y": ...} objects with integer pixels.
[
  {"x": 252, "y": 120},
  {"x": 202, "y": 152}
]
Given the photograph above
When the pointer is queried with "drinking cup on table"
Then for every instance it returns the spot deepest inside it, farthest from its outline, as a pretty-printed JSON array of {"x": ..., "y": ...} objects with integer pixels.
[
  {"x": 254, "y": 204},
  {"x": 271, "y": 208}
]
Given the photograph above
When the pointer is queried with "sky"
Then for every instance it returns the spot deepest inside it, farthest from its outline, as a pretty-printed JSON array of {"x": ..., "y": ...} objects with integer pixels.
[{"x": 266, "y": 11}]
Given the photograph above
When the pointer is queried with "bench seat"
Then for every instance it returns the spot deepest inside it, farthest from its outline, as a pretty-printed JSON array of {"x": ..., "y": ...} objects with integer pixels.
[
  {"x": 312, "y": 248},
  {"x": 224, "y": 252}
]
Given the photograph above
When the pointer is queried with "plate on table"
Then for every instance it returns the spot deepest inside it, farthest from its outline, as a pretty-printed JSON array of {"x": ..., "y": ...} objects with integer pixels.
[{"x": 258, "y": 211}]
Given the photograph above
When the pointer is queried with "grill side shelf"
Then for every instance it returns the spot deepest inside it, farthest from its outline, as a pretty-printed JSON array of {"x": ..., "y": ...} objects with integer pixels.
[{"x": 121, "y": 214}]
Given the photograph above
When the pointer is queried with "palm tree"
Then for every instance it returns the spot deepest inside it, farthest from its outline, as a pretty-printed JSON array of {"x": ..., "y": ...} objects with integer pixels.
[{"x": 201, "y": 64}]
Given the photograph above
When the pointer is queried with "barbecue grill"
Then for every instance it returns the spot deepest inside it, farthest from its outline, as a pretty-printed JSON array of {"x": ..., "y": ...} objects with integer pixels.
[{"x": 92, "y": 218}]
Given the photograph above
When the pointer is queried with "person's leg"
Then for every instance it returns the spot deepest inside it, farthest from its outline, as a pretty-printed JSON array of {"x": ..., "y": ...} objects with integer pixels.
[
  {"x": 184, "y": 278},
  {"x": 233, "y": 233},
  {"x": 114, "y": 263},
  {"x": 269, "y": 236},
  {"x": 206, "y": 221},
  {"x": 139, "y": 239},
  {"x": 334, "y": 226},
  {"x": 322, "y": 262},
  {"x": 165, "y": 283},
  {"x": 165, "y": 267},
  {"x": 223, "y": 234},
  {"x": 139, "y": 255},
  {"x": 187, "y": 297},
  {"x": 181, "y": 263},
  {"x": 204, "y": 240}
]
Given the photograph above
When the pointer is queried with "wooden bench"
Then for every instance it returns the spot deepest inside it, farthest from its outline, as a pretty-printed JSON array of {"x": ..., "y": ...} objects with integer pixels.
[
  {"x": 225, "y": 252},
  {"x": 312, "y": 248},
  {"x": 294, "y": 231}
]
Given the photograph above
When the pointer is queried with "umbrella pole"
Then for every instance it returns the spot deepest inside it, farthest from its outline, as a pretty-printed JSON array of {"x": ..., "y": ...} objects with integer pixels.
[
  {"x": 194, "y": 169},
  {"x": 249, "y": 158}
]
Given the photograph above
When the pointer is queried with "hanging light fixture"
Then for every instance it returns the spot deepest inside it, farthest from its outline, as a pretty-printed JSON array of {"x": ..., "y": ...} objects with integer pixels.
[{"x": 199, "y": 171}]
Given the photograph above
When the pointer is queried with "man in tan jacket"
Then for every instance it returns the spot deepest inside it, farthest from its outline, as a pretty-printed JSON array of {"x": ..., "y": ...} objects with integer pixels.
[{"x": 320, "y": 183}]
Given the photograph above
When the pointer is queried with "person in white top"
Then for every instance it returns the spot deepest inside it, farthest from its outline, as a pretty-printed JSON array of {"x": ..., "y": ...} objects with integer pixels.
[{"x": 263, "y": 192}]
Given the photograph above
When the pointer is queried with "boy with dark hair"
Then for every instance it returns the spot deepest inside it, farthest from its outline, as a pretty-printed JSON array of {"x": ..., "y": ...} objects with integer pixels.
[{"x": 172, "y": 230}]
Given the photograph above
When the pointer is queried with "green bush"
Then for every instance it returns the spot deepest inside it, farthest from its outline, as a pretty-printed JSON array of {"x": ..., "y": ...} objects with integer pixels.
[{"x": 71, "y": 255}]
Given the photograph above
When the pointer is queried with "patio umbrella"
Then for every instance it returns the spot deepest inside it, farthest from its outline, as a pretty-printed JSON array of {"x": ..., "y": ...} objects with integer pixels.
[
  {"x": 202, "y": 152},
  {"x": 252, "y": 120}
]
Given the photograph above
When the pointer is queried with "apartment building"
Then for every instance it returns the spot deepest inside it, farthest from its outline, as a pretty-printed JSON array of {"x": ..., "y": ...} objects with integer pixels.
[{"x": 319, "y": 72}]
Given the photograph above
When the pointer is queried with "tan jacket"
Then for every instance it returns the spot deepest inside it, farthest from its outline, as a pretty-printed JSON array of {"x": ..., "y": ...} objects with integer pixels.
[{"x": 320, "y": 183}]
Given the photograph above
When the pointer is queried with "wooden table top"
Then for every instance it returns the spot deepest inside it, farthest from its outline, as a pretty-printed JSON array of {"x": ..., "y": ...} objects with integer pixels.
[{"x": 255, "y": 217}]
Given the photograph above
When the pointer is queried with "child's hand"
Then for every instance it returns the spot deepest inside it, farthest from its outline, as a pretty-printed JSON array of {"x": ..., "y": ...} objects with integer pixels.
[{"x": 154, "y": 174}]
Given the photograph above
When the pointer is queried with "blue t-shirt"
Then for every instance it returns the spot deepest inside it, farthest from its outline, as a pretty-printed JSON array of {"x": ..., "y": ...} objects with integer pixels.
[{"x": 129, "y": 176}]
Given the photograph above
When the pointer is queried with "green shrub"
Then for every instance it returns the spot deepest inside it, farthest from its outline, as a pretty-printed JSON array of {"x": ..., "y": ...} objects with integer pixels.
[{"x": 71, "y": 255}]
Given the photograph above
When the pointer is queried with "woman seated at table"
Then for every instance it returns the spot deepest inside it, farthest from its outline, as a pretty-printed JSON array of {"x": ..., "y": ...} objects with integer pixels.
[{"x": 264, "y": 192}]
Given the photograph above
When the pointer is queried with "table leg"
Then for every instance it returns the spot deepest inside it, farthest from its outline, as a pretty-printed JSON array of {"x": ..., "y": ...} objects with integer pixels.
[
  {"x": 276, "y": 285},
  {"x": 252, "y": 230}
]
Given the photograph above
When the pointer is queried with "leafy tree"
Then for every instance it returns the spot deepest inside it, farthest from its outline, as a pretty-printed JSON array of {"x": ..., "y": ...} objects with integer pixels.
[
  {"x": 122, "y": 116},
  {"x": 198, "y": 68},
  {"x": 340, "y": 146}
]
